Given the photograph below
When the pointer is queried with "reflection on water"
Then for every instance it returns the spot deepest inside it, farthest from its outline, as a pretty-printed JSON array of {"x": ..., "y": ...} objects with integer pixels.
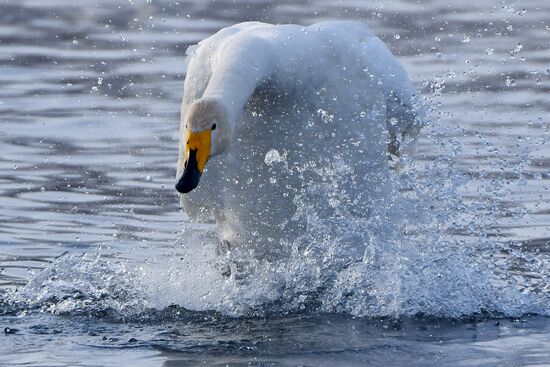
[{"x": 89, "y": 113}]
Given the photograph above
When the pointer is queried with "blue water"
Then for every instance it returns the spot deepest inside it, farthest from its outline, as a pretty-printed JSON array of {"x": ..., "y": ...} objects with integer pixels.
[{"x": 98, "y": 266}]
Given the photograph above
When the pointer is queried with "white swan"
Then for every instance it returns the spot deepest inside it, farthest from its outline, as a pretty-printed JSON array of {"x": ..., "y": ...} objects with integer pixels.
[{"x": 271, "y": 112}]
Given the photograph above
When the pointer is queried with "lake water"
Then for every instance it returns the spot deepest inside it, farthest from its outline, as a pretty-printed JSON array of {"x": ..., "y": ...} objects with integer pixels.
[{"x": 99, "y": 267}]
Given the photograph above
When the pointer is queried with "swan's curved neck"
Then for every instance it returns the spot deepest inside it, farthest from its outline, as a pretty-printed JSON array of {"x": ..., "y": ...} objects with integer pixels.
[{"x": 235, "y": 80}]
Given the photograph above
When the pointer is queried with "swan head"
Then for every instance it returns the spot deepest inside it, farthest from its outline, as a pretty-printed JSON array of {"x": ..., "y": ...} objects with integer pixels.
[{"x": 206, "y": 133}]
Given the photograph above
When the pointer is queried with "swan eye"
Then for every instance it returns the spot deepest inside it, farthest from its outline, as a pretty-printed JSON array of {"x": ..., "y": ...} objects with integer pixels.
[{"x": 214, "y": 127}]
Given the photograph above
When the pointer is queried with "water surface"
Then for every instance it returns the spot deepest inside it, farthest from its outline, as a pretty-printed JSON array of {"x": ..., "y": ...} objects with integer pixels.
[{"x": 89, "y": 114}]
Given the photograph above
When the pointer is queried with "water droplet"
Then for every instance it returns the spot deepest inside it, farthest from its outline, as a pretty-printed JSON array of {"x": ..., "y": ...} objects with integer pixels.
[
  {"x": 518, "y": 47},
  {"x": 325, "y": 116},
  {"x": 333, "y": 202},
  {"x": 273, "y": 156}
]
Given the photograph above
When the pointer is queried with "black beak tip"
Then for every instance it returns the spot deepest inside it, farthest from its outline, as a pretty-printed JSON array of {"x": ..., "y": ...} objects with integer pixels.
[
  {"x": 188, "y": 181},
  {"x": 191, "y": 175}
]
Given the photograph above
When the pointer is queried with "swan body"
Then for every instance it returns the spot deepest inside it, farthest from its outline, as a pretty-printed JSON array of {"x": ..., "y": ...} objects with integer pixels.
[{"x": 290, "y": 117}]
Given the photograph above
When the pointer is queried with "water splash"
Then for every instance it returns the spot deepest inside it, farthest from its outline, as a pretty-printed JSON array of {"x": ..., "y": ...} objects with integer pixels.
[
  {"x": 424, "y": 249},
  {"x": 424, "y": 246},
  {"x": 80, "y": 285}
]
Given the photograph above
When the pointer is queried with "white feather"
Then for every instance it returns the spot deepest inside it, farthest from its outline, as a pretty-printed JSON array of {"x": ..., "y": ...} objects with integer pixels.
[{"x": 326, "y": 95}]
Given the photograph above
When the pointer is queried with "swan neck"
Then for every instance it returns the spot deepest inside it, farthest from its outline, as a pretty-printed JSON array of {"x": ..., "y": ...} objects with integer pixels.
[{"x": 235, "y": 82}]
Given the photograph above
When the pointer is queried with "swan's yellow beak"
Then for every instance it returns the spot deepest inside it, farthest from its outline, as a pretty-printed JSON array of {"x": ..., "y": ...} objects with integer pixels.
[
  {"x": 197, "y": 153},
  {"x": 199, "y": 142}
]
